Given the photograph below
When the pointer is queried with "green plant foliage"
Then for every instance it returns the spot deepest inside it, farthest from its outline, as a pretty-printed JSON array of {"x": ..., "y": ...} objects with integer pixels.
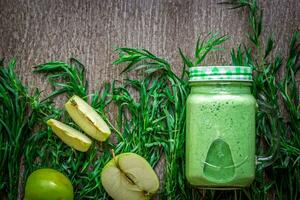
[
  {"x": 210, "y": 43},
  {"x": 149, "y": 118},
  {"x": 15, "y": 127},
  {"x": 278, "y": 117}
]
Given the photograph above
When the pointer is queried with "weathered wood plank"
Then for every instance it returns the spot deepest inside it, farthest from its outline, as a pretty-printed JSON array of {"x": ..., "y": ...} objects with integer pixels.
[{"x": 36, "y": 31}]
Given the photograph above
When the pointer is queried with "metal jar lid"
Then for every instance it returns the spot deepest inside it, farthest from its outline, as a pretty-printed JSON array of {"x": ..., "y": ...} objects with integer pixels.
[{"x": 220, "y": 73}]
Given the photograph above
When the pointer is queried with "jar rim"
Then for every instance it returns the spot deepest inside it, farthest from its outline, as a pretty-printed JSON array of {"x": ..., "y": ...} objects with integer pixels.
[
  {"x": 220, "y": 73},
  {"x": 223, "y": 82}
]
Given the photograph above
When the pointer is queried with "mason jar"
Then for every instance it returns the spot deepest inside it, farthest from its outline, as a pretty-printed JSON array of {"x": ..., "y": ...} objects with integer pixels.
[{"x": 220, "y": 127}]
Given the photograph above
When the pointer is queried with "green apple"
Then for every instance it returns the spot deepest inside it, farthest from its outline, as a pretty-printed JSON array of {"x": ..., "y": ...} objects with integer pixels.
[
  {"x": 129, "y": 176},
  {"x": 70, "y": 136},
  {"x": 87, "y": 118},
  {"x": 48, "y": 184}
]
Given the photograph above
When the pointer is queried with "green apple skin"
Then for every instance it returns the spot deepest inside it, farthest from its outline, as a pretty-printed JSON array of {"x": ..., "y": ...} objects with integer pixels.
[{"x": 48, "y": 184}]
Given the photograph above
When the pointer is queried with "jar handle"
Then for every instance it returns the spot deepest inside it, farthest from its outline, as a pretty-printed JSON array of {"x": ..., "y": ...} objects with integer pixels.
[{"x": 264, "y": 161}]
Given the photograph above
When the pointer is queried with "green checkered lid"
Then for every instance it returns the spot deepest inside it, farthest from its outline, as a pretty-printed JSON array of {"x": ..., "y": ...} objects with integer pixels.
[{"x": 220, "y": 73}]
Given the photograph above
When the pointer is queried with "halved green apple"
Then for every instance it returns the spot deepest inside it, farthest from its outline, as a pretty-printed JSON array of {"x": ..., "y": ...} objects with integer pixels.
[
  {"x": 87, "y": 118},
  {"x": 70, "y": 136},
  {"x": 129, "y": 176}
]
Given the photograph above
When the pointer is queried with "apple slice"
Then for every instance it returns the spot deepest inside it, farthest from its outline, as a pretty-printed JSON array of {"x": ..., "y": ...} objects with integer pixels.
[
  {"x": 87, "y": 118},
  {"x": 129, "y": 176},
  {"x": 70, "y": 136}
]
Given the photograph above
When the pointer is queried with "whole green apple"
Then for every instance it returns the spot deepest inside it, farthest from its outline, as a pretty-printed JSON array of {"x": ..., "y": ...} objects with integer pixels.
[{"x": 48, "y": 184}]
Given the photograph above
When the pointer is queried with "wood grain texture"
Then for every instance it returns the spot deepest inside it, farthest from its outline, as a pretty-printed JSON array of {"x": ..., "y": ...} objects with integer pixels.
[{"x": 36, "y": 31}]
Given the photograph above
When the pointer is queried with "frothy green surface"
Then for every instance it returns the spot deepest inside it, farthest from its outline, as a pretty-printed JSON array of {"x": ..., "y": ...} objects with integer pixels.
[{"x": 220, "y": 141}]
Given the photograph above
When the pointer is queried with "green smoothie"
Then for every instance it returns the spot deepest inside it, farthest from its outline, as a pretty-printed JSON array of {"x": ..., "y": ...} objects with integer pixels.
[{"x": 220, "y": 139}]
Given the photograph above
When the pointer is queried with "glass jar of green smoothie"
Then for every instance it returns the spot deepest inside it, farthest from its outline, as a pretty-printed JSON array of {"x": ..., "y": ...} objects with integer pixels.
[{"x": 220, "y": 127}]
